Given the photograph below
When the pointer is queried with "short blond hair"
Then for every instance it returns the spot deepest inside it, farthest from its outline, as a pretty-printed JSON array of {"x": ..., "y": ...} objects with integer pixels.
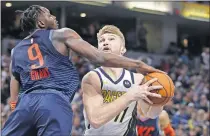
[{"x": 112, "y": 30}]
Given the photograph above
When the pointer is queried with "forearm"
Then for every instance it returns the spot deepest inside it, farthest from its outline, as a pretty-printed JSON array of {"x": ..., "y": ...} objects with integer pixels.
[
  {"x": 14, "y": 90},
  {"x": 112, "y": 60},
  {"x": 108, "y": 111},
  {"x": 104, "y": 59}
]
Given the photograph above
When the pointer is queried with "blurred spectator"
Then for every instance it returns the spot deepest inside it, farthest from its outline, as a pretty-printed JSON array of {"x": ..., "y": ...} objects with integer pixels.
[
  {"x": 185, "y": 57},
  {"x": 180, "y": 117},
  {"x": 190, "y": 109},
  {"x": 131, "y": 39},
  {"x": 205, "y": 62},
  {"x": 165, "y": 66},
  {"x": 141, "y": 34},
  {"x": 173, "y": 49},
  {"x": 77, "y": 129},
  {"x": 5, "y": 59},
  {"x": 178, "y": 97}
]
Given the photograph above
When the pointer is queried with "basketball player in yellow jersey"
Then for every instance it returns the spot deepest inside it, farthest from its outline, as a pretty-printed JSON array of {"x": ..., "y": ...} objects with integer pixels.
[
  {"x": 110, "y": 94},
  {"x": 152, "y": 121}
]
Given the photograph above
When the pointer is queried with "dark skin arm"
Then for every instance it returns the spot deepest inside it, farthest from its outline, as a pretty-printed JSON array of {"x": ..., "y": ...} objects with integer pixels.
[
  {"x": 14, "y": 89},
  {"x": 68, "y": 38}
]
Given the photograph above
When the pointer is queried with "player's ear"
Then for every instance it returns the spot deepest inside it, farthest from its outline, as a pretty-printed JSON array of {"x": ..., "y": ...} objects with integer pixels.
[
  {"x": 123, "y": 50},
  {"x": 40, "y": 24}
]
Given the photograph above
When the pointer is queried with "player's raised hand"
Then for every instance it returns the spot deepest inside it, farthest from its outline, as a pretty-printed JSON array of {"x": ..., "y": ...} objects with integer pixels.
[{"x": 143, "y": 91}]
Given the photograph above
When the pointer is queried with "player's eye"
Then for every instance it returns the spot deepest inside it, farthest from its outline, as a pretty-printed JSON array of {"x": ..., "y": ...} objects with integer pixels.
[
  {"x": 111, "y": 39},
  {"x": 101, "y": 40}
]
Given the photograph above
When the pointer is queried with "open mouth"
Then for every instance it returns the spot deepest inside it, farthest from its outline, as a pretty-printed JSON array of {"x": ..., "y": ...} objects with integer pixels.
[{"x": 106, "y": 49}]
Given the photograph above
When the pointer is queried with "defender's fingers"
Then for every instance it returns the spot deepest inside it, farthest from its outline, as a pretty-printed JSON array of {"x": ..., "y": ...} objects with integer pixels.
[{"x": 160, "y": 71}]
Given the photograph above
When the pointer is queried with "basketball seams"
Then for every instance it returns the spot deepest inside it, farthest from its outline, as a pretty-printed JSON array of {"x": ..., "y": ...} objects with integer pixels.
[
  {"x": 163, "y": 88},
  {"x": 170, "y": 86},
  {"x": 166, "y": 97}
]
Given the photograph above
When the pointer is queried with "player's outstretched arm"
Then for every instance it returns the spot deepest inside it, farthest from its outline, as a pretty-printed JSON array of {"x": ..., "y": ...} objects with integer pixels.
[
  {"x": 14, "y": 89},
  {"x": 73, "y": 41},
  {"x": 165, "y": 124},
  {"x": 99, "y": 113}
]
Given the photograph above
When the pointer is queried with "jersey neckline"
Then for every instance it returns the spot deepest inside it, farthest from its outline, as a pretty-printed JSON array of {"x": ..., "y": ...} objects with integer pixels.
[{"x": 107, "y": 76}]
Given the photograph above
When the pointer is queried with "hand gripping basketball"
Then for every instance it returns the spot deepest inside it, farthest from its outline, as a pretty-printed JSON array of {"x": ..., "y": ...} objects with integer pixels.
[
  {"x": 167, "y": 92},
  {"x": 143, "y": 91}
]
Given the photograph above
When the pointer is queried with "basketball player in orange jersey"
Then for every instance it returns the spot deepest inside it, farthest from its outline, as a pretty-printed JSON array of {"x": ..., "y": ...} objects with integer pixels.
[
  {"x": 152, "y": 121},
  {"x": 110, "y": 95},
  {"x": 165, "y": 124}
]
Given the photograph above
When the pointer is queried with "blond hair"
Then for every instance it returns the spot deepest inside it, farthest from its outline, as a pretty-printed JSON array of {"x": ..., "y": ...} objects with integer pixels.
[{"x": 112, "y": 30}]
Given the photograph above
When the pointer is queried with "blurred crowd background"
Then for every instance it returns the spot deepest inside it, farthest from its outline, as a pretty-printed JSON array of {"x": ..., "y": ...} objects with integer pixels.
[{"x": 171, "y": 36}]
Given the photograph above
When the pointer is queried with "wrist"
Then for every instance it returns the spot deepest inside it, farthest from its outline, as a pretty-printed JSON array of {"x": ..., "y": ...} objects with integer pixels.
[
  {"x": 12, "y": 105},
  {"x": 13, "y": 98},
  {"x": 130, "y": 96}
]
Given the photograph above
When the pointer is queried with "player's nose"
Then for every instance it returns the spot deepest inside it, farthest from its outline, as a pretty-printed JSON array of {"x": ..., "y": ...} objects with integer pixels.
[{"x": 105, "y": 43}]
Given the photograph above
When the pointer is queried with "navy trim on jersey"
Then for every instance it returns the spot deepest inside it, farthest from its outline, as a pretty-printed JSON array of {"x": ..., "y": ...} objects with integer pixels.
[
  {"x": 17, "y": 76},
  {"x": 99, "y": 77},
  {"x": 107, "y": 76},
  {"x": 132, "y": 77},
  {"x": 131, "y": 130}
]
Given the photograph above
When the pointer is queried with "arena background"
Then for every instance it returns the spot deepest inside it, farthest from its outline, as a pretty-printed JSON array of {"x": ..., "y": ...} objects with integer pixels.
[{"x": 171, "y": 36}]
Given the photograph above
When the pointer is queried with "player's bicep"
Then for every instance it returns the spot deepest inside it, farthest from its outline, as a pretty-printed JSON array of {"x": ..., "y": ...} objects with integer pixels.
[
  {"x": 85, "y": 49},
  {"x": 73, "y": 41},
  {"x": 92, "y": 97}
]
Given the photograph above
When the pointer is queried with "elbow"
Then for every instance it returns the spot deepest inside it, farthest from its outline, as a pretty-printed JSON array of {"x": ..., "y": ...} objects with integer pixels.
[{"x": 95, "y": 123}]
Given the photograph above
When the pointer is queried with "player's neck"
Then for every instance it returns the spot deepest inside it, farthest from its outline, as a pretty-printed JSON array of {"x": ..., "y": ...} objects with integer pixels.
[
  {"x": 141, "y": 115},
  {"x": 116, "y": 72}
]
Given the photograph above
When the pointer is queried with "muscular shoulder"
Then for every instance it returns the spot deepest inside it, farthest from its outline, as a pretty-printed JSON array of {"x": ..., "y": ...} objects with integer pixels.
[
  {"x": 91, "y": 78},
  {"x": 64, "y": 33},
  {"x": 138, "y": 78}
]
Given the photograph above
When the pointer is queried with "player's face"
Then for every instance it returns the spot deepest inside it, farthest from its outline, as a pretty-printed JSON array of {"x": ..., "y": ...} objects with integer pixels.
[
  {"x": 46, "y": 20},
  {"x": 111, "y": 43}
]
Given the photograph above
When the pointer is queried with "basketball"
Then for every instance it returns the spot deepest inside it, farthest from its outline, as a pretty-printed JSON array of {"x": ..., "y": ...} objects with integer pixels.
[{"x": 167, "y": 92}]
